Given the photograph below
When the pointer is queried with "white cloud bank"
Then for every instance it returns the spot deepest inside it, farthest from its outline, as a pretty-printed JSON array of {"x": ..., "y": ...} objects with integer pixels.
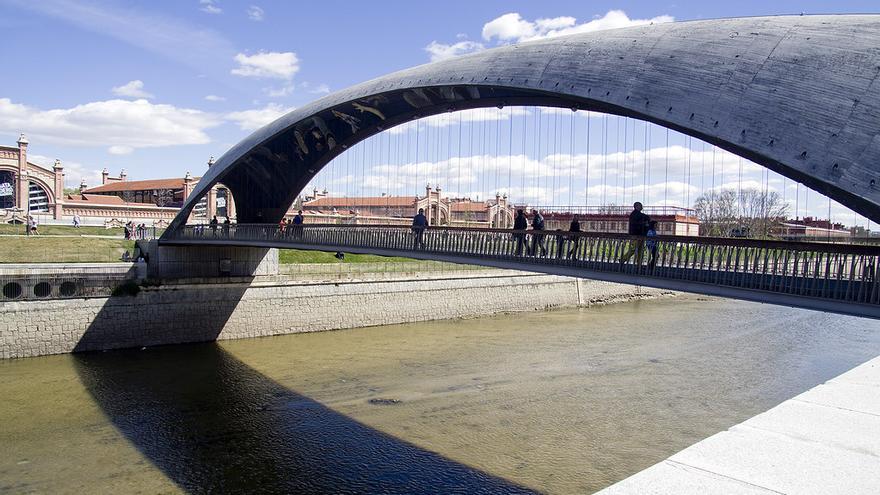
[
  {"x": 249, "y": 120},
  {"x": 120, "y": 125},
  {"x": 512, "y": 28},
  {"x": 272, "y": 65},
  {"x": 132, "y": 89}
]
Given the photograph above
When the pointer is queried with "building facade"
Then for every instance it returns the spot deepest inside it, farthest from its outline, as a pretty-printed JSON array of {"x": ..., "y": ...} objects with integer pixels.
[{"x": 28, "y": 188}]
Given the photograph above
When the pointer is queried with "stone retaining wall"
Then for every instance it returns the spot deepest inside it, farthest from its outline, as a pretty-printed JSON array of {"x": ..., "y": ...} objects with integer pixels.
[{"x": 192, "y": 313}]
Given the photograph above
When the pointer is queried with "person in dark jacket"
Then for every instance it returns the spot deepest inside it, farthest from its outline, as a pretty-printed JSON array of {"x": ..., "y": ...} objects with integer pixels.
[
  {"x": 574, "y": 227},
  {"x": 520, "y": 223},
  {"x": 638, "y": 226},
  {"x": 420, "y": 223},
  {"x": 537, "y": 234},
  {"x": 298, "y": 225}
]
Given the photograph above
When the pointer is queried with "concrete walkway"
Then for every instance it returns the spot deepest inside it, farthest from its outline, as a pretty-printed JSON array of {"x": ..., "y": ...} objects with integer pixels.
[{"x": 826, "y": 440}]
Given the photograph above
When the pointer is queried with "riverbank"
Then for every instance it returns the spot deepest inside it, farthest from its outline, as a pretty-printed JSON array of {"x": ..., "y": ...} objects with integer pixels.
[{"x": 199, "y": 312}]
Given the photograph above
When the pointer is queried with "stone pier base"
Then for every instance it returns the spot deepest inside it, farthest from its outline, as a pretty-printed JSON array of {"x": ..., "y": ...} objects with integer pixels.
[{"x": 189, "y": 262}]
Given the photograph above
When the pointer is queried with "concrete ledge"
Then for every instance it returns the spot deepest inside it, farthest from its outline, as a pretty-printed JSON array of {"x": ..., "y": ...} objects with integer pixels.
[{"x": 826, "y": 440}]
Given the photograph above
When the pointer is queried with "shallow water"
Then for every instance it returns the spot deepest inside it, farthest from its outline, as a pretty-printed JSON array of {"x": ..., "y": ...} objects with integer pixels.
[{"x": 565, "y": 401}]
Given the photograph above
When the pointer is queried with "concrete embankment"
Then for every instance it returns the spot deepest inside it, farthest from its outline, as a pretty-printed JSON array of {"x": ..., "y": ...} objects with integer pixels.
[{"x": 299, "y": 302}]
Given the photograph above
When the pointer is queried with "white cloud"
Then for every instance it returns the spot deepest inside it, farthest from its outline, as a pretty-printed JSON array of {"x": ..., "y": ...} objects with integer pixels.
[
  {"x": 215, "y": 98},
  {"x": 439, "y": 51},
  {"x": 281, "y": 92},
  {"x": 513, "y": 28},
  {"x": 169, "y": 36},
  {"x": 255, "y": 13},
  {"x": 132, "y": 89},
  {"x": 119, "y": 124},
  {"x": 210, "y": 7},
  {"x": 249, "y": 120},
  {"x": 463, "y": 116},
  {"x": 74, "y": 172},
  {"x": 120, "y": 150},
  {"x": 276, "y": 65},
  {"x": 321, "y": 89}
]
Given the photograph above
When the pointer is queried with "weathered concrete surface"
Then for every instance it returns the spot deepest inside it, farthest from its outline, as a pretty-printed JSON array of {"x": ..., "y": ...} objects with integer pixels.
[
  {"x": 204, "y": 312},
  {"x": 797, "y": 94},
  {"x": 208, "y": 261},
  {"x": 824, "y": 441}
]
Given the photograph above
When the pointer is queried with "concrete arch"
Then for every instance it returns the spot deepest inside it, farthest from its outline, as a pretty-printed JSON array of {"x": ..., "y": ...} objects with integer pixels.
[{"x": 799, "y": 95}]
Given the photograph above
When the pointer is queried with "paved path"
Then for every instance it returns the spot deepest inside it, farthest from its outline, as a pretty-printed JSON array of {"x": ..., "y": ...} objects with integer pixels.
[{"x": 826, "y": 440}]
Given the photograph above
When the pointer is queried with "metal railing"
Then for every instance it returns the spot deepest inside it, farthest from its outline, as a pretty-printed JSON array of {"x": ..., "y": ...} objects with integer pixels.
[{"x": 837, "y": 272}]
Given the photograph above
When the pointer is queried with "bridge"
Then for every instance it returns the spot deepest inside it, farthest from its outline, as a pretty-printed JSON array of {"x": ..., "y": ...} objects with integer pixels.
[
  {"x": 829, "y": 277},
  {"x": 799, "y": 95}
]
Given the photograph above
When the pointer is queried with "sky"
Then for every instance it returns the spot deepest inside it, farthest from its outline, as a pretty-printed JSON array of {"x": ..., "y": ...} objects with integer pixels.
[{"x": 158, "y": 87}]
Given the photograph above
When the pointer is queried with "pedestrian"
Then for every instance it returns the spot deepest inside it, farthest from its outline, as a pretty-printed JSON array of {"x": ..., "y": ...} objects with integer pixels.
[
  {"x": 127, "y": 230},
  {"x": 214, "y": 223},
  {"x": 538, "y": 240},
  {"x": 419, "y": 224},
  {"x": 76, "y": 221},
  {"x": 142, "y": 228},
  {"x": 560, "y": 239},
  {"x": 298, "y": 225},
  {"x": 520, "y": 224},
  {"x": 575, "y": 228},
  {"x": 282, "y": 227},
  {"x": 226, "y": 227},
  {"x": 32, "y": 225},
  {"x": 651, "y": 243},
  {"x": 638, "y": 226}
]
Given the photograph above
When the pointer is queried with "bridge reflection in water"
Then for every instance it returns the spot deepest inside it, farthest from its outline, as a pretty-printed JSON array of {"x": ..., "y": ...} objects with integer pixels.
[{"x": 838, "y": 278}]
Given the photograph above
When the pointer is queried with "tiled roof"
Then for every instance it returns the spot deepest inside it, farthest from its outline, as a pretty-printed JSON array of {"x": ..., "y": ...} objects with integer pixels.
[
  {"x": 333, "y": 202},
  {"x": 469, "y": 206},
  {"x": 98, "y": 199},
  {"x": 139, "y": 185}
]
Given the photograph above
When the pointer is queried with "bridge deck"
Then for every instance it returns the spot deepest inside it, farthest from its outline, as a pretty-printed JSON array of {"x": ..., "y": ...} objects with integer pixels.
[{"x": 830, "y": 277}]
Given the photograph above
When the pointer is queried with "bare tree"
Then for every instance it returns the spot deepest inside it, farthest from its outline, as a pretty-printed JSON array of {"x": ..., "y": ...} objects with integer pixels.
[
  {"x": 752, "y": 212},
  {"x": 717, "y": 212}
]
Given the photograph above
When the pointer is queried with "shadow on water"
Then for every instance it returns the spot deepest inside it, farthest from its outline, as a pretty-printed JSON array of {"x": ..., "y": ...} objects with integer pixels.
[{"x": 213, "y": 424}]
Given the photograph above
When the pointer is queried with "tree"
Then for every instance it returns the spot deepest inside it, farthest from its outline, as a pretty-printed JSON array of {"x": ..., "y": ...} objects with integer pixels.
[
  {"x": 717, "y": 211},
  {"x": 752, "y": 212}
]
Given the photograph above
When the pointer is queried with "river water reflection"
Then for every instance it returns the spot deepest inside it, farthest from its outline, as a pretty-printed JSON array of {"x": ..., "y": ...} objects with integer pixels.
[{"x": 566, "y": 401}]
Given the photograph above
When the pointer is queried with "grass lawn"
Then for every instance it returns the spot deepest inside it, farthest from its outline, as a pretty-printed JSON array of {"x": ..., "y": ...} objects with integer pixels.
[
  {"x": 295, "y": 256},
  {"x": 6, "y": 228},
  {"x": 39, "y": 249}
]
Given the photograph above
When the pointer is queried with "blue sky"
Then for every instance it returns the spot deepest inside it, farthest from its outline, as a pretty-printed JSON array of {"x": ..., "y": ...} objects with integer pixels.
[{"x": 158, "y": 87}]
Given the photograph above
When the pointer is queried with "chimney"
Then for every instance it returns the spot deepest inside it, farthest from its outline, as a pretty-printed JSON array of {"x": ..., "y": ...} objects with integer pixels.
[
  {"x": 104, "y": 174},
  {"x": 122, "y": 175},
  {"x": 83, "y": 185},
  {"x": 210, "y": 161}
]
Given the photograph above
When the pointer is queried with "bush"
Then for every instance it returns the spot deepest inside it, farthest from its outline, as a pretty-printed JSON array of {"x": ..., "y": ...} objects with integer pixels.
[{"x": 127, "y": 288}]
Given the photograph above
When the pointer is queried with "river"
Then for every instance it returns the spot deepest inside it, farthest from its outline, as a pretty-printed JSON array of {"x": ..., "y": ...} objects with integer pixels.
[{"x": 565, "y": 401}]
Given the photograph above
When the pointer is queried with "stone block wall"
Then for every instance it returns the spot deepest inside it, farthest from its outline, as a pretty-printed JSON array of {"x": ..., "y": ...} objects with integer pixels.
[{"x": 195, "y": 313}]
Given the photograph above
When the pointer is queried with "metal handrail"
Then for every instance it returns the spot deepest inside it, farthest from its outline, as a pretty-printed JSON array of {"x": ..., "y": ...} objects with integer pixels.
[
  {"x": 863, "y": 249},
  {"x": 827, "y": 271}
]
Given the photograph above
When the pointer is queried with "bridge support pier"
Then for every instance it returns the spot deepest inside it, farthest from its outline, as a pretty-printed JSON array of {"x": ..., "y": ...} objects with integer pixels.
[{"x": 164, "y": 262}]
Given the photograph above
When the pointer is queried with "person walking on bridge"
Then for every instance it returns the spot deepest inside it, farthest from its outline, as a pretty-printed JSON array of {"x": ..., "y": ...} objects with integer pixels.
[
  {"x": 419, "y": 224},
  {"x": 574, "y": 238},
  {"x": 638, "y": 226},
  {"x": 214, "y": 224},
  {"x": 520, "y": 224},
  {"x": 298, "y": 225},
  {"x": 537, "y": 234}
]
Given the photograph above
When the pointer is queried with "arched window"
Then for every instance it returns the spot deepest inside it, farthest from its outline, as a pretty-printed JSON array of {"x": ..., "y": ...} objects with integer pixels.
[
  {"x": 7, "y": 189},
  {"x": 38, "y": 199}
]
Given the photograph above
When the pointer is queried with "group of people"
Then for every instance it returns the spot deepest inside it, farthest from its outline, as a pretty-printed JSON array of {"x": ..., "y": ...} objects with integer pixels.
[
  {"x": 567, "y": 243},
  {"x": 291, "y": 227},
  {"x": 214, "y": 223},
  {"x": 133, "y": 231}
]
